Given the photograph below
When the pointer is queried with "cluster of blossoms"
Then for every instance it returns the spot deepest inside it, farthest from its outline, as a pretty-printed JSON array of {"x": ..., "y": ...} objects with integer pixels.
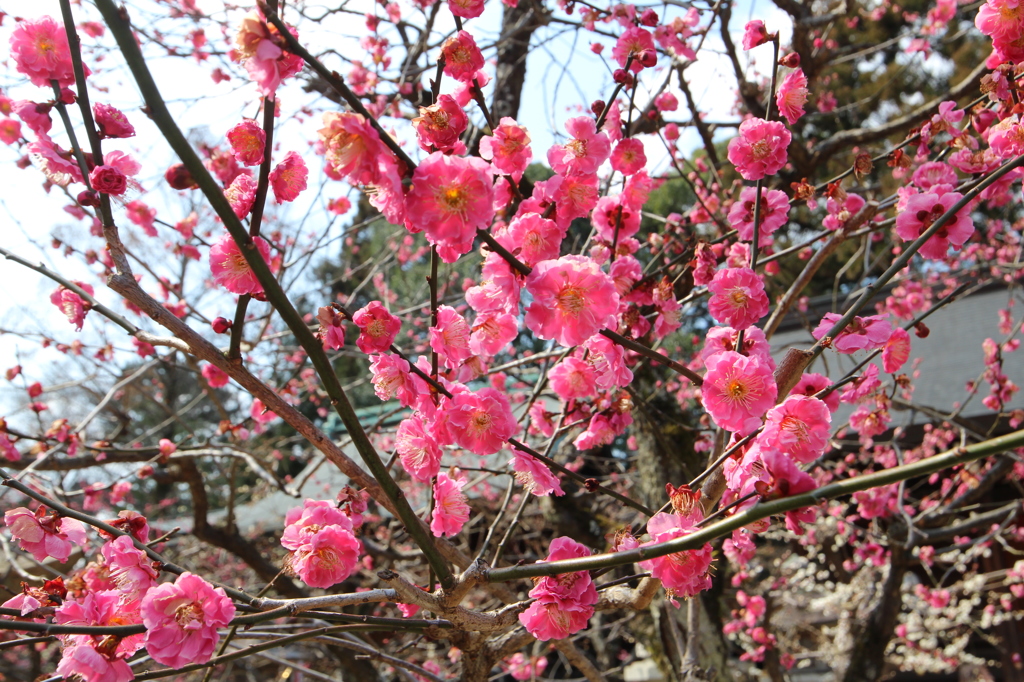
[
  {"x": 562, "y": 603},
  {"x": 324, "y": 548},
  {"x": 181, "y": 619}
]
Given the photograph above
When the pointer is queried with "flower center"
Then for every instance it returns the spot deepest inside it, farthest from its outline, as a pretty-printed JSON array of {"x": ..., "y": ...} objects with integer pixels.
[
  {"x": 738, "y": 297},
  {"x": 578, "y": 148},
  {"x": 377, "y": 328},
  {"x": 454, "y": 199},
  {"x": 571, "y": 300},
  {"x": 761, "y": 149},
  {"x": 737, "y": 391},
  {"x": 795, "y": 426},
  {"x": 188, "y": 613},
  {"x": 480, "y": 422}
]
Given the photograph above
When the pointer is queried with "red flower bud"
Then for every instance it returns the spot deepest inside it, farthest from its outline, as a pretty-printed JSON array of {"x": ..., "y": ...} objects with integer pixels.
[
  {"x": 791, "y": 60},
  {"x": 221, "y": 325},
  {"x": 623, "y": 77},
  {"x": 88, "y": 198},
  {"x": 179, "y": 177},
  {"x": 597, "y": 107},
  {"x": 649, "y": 17}
]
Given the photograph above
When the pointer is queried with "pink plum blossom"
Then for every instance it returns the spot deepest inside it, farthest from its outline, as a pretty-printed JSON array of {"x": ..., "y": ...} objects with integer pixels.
[
  {"x": 332, "y": 329},
  {"x": 481, "y": 422},
  {"x": 241, "y": 194},
  {"x": 582, "y": 155},
  {"x": 628, "y": 156},
  {"x": 71, "y": 304},
  {"x": 754, "y": 34},
  {"x": 215, "y": 376},
  {"x": 108, "y": 180},
  {"x": 572, "y": 300},
  {"x": 417, "y": 450},
  {"x": 774, "y": 214},
  {"x": 737, "y": 297},
  {"x": 811, "y": 384},
  {"x": 492, "y": 332},
  {"x": 248, "y": 142},
  {"x": 129, "y": 567},
  {"x": 40, "y": 51},
  {"x": 288, "y": 178},
  {"x": 535, "y": 237},
  {"x": 535, "y": 476},
  {"x": 863, "y": 333},
  {"x": 462, "y": 58},
  {"x": 636, "y": 47},
  {"x": 450, "y": 337},
  {"x": 111, "y": 122},
  {"x": 182, "y": 618},
  {"x": 798, "y": 428},
  {"x": 922, "y": 210},
  {"x": 451, "y": 197},
  {"x": 439, "y": 126},
  {"x": 687, "y": 573},
  {"x": 573, "y": 378},
  {"x": 760, "y": 148},
  {"x": 467, "y": 9},
  {"x": 259, "y": 48},
  {"x": 45, "y": 533},
  {"x": 330, "y": 555},
  {"x": 451, "y": 510},
  {"x": 508, "y": 149},
  {"x": 391, "y": 378},
  {"x": 377, "y": 328},
  {"x": 609, "y": 362},
  {"x": 230, "y": 269},
  {"x": 351, "y": 147},
  {"x": 302, "y": 523},
  {"x": 720, "y": 339},
  {"x": 563, "y": 604},
  {"x": 792, "y": 95},
  {"x": 737, "y": 391},
  {"x": 896, "y": 351}
]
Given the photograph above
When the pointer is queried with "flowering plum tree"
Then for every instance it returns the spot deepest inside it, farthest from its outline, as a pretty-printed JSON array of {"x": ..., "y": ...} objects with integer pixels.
[{"x": 414, "y": 335}]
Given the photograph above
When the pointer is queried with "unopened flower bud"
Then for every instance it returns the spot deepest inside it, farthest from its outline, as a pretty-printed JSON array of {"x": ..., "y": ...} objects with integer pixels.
[
  {"x": 623, "y": 77},
  {"x": 648, "y": 58},
  {"x": 221, "y": 325},
  {"x": 179, "y": 177},
  {"x": 649, "y": 17},
  {"x": 791, "y": 60},
  {"x": 922, "y": 330},
  {"x": 145, "y": 471},
  {"x": 88, "y": 198},
  {"x": 597, "y": 107}
]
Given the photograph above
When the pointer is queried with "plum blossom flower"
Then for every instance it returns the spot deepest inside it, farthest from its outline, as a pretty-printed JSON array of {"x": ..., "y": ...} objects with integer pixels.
[
  {"x": 738, "y": 298},
  {"x": 230, "y": 269},
  {"x": 562, "y": 603},
  {"x": 522, "y": 668},
  {"x": 573, "y": 378},
  {"x": 636, "y": 43},
  {"x": 450, "y": 337},
  {"x": 439, "y": 126},
  {"x": 792, "y": 95},
  {"x": 330, "y": 555},
  {"x": 462, "y": 58},
  {"x": 535, "y": 476},
  {"x": 241, "y": 194},
  {"x": 45, "y": 533},
  {"x": 811, "y": 384},
  {"x": 687, "y": 573},
  {"x": 754, "y": 34},
  {"x": 108, "y": 180},
  {"x": 248, "y": 142},
  {"x": 584, "y": 153},
  {"x": 391, "y": 378},
  {"x": 71, "y": 304},
  {"x": 863, "y": 333},
  {"x": 351, "y": 147},
  {"x": 111, "y": 122},
  {"x": 451, "y": 197},
  {"x": 896, "y": 351},
  {"x": 129, "y": 567},
  {"x": 215, "y": 376},
  {"x": 91, "y": 658},
  {"x": 40, "y": 50},
  {"x": 609, "y": 362},
  {"x": 922, "y": 211},
  {"x": 572, "y": 300},
  {"x": 259, "y": 48},
  {"x": 720, "y": 339},
  {"x": 492, "y": 332},
  {"x": 417, "y": 450},
  {"x": 467, "y": 9},
  {"x": 774, "y": 214},
  {"x": 536, "y": 237},
  {"x": 182, "y": 618},
  {"x": 481, "y": 422},
  {"x": 451, "y": 509},
  {"x": 737, "y": 391},
  {"x": 628, "y": 156},
  {"x": 508, "y": 149},
  {"x": 288, "y": 178},
  {"x": 377, "y": 328},
  {"x": 798, "y": 428},
  {"x": 332, "y": 329},
  {"x": 760, "y": 148}
]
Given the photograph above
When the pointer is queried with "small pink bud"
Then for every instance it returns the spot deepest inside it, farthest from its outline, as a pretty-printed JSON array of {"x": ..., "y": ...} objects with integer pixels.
[
  {"x": 649, "y": 17},
  {"x": 88, "y": 198},
  {"x": 221, "y": 325}
]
